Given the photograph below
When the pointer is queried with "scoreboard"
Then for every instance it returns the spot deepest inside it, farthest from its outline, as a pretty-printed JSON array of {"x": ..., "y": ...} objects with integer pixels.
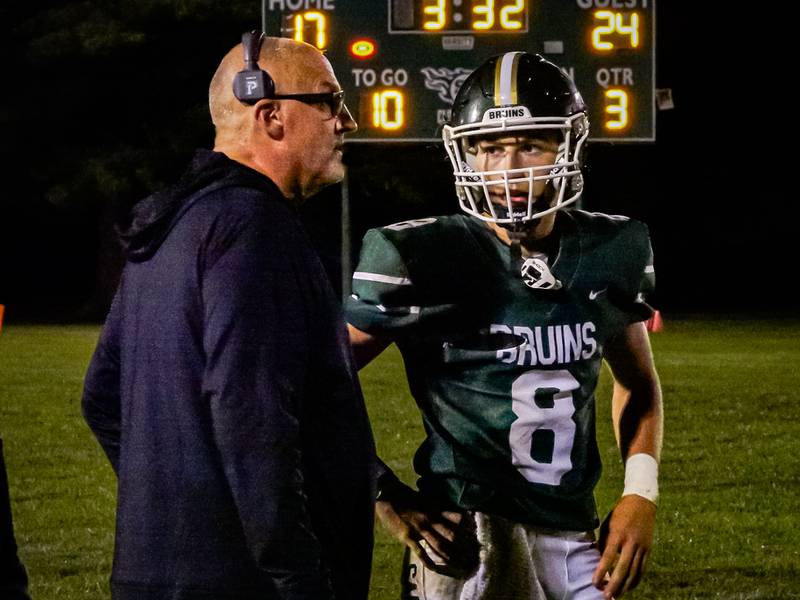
[{"x": 401, "y": 62}]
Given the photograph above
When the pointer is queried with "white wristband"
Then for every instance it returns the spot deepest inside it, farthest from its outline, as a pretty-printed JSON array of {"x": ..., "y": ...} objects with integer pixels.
[{"x": 641, "y": 477}]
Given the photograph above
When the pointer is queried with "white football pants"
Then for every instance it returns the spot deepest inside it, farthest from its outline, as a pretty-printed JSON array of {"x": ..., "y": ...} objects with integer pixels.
[{"x": 517, "y": 562}]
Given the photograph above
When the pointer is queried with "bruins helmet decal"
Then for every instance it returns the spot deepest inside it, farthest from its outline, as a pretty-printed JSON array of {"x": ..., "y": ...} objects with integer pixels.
[{"x": 519, "y": 94}]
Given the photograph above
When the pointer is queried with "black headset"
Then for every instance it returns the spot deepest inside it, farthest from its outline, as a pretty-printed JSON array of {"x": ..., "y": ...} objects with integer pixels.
[{"x": 252, "y": 83}]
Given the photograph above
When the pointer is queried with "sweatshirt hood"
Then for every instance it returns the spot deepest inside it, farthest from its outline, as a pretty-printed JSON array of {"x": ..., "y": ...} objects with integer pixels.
[{"x": 144, "y": 229}]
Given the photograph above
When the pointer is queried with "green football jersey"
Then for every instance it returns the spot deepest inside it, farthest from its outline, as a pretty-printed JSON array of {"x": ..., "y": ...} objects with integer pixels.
[{"x": 504, "y": 374}]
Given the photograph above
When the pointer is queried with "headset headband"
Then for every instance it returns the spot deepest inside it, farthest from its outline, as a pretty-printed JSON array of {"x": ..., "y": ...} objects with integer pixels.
[{"x": 251, "y": 42}]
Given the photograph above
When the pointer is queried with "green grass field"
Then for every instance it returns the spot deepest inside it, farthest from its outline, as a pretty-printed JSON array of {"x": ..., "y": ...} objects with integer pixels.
[{"x": 729, "y": 510}]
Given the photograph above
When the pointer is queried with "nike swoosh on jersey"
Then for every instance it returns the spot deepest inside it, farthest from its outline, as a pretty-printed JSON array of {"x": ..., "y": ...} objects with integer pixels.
[{"x": 594, "y": 294}]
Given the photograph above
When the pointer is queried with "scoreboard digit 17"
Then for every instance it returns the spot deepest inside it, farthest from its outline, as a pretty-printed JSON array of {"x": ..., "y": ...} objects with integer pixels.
[{"x": 401, "y": 62}]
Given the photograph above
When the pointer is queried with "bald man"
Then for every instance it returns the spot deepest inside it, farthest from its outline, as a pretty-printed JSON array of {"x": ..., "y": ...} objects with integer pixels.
[{"x": 221, "y": 389}]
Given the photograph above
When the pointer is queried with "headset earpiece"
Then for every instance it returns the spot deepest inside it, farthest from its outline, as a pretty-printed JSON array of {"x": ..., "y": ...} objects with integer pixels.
[{"x": 252, "y": 83}]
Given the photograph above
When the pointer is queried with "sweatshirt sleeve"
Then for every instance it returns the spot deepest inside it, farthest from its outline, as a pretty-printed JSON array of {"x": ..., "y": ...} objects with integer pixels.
[
  {"x": 255, "y": 417},
  {"x": 101, "y": 389}
]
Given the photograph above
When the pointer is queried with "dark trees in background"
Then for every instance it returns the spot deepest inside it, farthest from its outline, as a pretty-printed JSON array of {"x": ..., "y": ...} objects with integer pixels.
[{"x": 105, "y": 100}]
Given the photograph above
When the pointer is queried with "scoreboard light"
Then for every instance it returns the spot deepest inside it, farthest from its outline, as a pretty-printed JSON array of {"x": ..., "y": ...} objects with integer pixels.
[
  {"x": 363, "y": 48},
  {"x": 617, "y": 106},
  {"x": 388, "y": 109},
  {"x": 308, "y": 26},
  {"x": 428, "y": 47},
  {"x": 615, "y": 23},
  {"x": 465, "y": 16}
]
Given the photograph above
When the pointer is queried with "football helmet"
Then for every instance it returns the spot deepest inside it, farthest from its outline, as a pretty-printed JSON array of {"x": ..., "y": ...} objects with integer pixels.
[{"x": 522, "y": 94}]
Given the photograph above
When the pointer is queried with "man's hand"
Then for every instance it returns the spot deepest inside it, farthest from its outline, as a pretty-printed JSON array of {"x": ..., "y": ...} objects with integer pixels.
[
  {"x": 626, "y": 537},
  {"x": 444, "y": 540}
]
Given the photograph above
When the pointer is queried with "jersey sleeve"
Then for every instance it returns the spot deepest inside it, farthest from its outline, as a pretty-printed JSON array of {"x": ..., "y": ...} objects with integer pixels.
[
  {"x": 384, "y": 297},
  {"x": 641, "y": 278}
]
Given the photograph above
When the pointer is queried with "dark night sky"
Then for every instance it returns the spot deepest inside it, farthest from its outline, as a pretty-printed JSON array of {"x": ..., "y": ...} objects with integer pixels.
[{"x": 718, "y": 241}]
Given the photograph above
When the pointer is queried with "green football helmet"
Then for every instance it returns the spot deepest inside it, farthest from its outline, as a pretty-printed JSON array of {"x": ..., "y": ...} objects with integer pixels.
[{"x": 518, "y": 93}]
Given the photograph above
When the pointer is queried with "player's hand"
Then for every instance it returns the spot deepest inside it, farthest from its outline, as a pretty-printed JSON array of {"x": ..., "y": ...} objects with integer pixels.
[
  {"x": 626, "y": 538},
  {"x": 444, "y": 540}
]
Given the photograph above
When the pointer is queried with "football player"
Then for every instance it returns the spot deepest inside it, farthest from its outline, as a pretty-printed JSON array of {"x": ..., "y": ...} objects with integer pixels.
[{"x": 503, "y": 316}]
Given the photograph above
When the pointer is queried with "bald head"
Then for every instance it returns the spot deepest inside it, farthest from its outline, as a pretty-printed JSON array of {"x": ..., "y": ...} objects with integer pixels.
[
  {"x": 295, "y": 141},
  {"x": 288, "y": 62}
]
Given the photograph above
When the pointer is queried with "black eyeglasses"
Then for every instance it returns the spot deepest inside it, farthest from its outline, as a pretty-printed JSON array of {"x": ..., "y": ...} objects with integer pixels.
[{"x": 333, "y": 100}]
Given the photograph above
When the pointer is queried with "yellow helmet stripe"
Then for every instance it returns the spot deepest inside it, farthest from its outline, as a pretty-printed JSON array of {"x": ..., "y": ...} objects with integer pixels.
[{"x": 505, "y": 79}]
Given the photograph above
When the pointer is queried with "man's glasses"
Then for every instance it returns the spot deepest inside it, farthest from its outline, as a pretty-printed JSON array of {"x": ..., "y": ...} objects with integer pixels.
[{"x": 333, "y": 100}]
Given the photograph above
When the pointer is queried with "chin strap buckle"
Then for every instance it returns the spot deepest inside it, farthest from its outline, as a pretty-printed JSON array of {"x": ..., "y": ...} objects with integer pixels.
[{"x": 537, "y": 275}]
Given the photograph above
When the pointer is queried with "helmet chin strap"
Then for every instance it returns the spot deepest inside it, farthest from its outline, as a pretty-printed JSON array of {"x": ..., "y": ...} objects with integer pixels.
[
  {"x": 538, "y": 275},
  {"x": 535, "y": 271},
  {"x": 516, "y": 233}
]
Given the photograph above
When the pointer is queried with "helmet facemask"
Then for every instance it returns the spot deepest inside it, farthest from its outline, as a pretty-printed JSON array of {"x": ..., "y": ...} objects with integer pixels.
[
  {"x": 475, "y": 186},
  {"x": 517, "y": 95}
]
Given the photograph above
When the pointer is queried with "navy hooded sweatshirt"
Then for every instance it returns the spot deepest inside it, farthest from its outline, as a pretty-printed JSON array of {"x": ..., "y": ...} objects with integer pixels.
[{"x": 223, "y": 393}]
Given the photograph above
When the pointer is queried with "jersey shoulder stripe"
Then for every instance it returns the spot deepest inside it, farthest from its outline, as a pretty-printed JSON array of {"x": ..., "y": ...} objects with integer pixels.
[{"x": 364, "y": 276}]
